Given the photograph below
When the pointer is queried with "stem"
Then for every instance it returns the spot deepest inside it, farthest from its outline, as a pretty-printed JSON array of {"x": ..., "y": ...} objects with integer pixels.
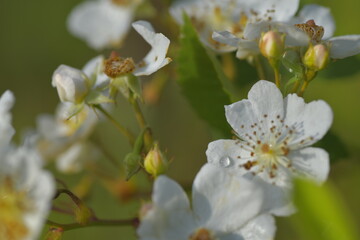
[
  {"x": 310, "y": 75},
  {"x": 296, "y": 86},
  {"x": 95, "y": 222},
  {"x": 303, "y": 88},
  {"x": 277, "y": 76},
  {"x": 259, "y": 68},
  {"x": 121, "y": 129},
  {"x": 148, "y": 139}
]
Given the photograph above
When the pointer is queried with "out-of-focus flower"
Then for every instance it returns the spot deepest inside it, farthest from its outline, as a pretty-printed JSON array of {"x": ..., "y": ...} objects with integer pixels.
[
  {"x": 102, "y": 23},
  {"x": 224, "y": 206},
  {"x": 319, "y": 24},
  {"x": 79, "y": 87},
  {"x": 231, "y": 16},
  {"x": 65, "y": 139},
  {"x": 26, "y": 190},
  {"x": 273, "y": 136}
]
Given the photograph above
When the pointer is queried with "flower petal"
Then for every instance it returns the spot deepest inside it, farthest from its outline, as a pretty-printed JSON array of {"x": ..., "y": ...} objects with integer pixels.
[
  {"x": 100, "y": 23},
  {"x": 170, "y": 216},
  {"x": 322, "y": 17},
  {"x": 267, "y": 102},
  {"x": 225, "y": 201},
  {"x": 261, "y": 228},
  {"x": 313, "y": 119},
  {"x": 94, "y": 70},
  {"x": 344, "y": 46},
  {"x": 156, "y": 58},
  {"x": 311, "y": 162},
  {"x": 277, "y": 10},
  {"x": 226, "y": 153},
  {"x": 6, "y": 129}
]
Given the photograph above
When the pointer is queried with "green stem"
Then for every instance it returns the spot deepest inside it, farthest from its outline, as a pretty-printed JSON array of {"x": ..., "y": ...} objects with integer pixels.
[
  {"x": 296, "y": 86},
  {"x": 121, "y": 128},
  {"x": 148, "y": 139},
  {"x": 95, "y": 223},
  {"x": 277, "y": 76},
  {"x": 259, "y": 68},
  {"x": 310, "y": 75}
]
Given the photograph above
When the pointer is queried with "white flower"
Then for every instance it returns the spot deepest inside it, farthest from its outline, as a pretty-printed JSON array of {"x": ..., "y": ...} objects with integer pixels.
[
  {"x": 58, "y": 135},
  {"x": 274, "y": 135},
  {"x": 74, "y": 85},
  {"x": 102, "y": 23},
  {"x": 26, "y": 190},
  {"x": 225, "y": 206},
  {"x": 322, "y": 28},
  {"x": 231, "y": 16},
  {"x": 153, "y": 61}
]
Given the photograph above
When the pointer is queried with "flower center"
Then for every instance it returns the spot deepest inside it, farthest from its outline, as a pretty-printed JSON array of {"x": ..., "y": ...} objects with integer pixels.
[
  {"x": 267, "y": 145},
  {"x": 13, "y": 204},
  {"x": 202, "y": 234},
  {"x": 314, "y": 31},
  {"x": 116, "y": 66}
]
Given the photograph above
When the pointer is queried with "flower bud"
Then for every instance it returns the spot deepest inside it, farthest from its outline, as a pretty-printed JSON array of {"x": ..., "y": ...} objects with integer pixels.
[
  {"x": 155, "y": 162},
  {"x": 316, "y": 57},
  {"x": 272, "y": 44},
  {"x": 72, "y": 84}
]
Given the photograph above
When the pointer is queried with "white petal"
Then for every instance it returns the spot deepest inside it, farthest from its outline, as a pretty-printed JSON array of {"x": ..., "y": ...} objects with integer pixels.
[
  {"x": 344, "y": 46},
  {"x": 226, "y": 37},
  {"x": 94, "y": 70},
  {"x": 6, "y": 130},
  {"x": 240, "y": 115},
  {"x": 156, "y": 58},
  {"x": 170, "y": 216},
  {"x": 71, "y": 84},
  {"x": 100, "y": 23},
  {"x": 314, "y": 118},
  {"x": 283, "y": 9},
  {"x": 225, "y": 154},
  {"x": 261, "y": 228},
  {"x": 312, "y": 163},
  {"x": 225, "y": 201},
  {"x": 322, "y": 17},
  {"x": 247, "y": 49},
  {"x": 267, "y": 102}
]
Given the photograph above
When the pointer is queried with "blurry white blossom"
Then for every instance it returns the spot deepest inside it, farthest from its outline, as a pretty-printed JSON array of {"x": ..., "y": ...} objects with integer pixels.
[
  {"x": 26, "y": 190},
  {"x": 225, "y": 206},
  {"x": 274, "y": 135},
  {"x": 65, "y": 139},
  {"x": 102, "y": 23},
  {"x": 231, "y": 16}
]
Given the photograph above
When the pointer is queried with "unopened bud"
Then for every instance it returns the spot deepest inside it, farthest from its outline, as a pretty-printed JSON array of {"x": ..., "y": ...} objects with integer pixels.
[
  {"x": 272, "y": 44},
  {"x": 155, "y": 162},
  {"x": 116, "y": 66},
  {"x": 316, "y": 57},
  {"x": 72, "y": 84}
]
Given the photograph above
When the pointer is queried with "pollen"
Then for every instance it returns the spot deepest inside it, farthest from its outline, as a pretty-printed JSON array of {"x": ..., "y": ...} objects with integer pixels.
[
  {"x": 116, "y": 66},
  {"x": 202, "y": 234},
  {"x": 314, "y": 31}
]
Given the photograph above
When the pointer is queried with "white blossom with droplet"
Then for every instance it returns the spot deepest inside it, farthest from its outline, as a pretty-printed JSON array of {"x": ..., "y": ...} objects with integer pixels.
[
  {"x": 224, "y": 207},
  {"x": 273, "y": 136}
]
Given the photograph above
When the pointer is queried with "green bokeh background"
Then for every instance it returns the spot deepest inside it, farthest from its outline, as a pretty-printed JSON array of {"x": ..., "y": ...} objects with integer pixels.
[{"x": 34, "y": 42}]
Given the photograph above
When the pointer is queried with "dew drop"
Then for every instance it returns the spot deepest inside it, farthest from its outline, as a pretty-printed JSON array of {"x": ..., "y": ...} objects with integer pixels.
[{"x": 225, "y": 162}]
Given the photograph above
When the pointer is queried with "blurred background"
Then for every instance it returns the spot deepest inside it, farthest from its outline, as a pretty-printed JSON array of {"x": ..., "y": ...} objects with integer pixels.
[{"x": 34, "y": 42}]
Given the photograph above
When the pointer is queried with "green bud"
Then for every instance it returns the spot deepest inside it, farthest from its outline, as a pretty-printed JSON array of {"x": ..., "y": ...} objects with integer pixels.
[
  {"x": 316, "y": 57},
  {"x": 155, "y": 162},
  {"x": 272, "y": 44}
]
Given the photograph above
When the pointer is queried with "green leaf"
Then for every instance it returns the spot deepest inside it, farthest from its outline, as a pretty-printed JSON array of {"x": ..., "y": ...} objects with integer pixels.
[
  {"x": 334, "y": 146},
  {"x": 200, "y": 81},
  {"x": 321, "y": 213}
]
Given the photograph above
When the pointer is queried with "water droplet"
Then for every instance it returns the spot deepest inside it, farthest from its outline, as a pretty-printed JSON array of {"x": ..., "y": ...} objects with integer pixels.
[{"x": 225, "y": 162}]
